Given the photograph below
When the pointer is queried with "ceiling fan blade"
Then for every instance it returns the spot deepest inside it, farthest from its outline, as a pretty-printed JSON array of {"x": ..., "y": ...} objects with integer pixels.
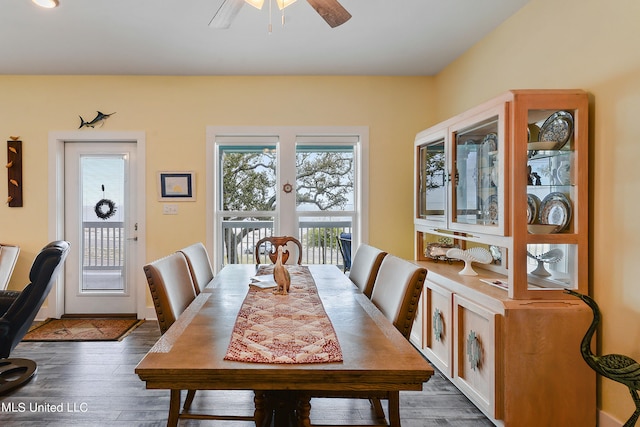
[
  {"x": 331, "y": 11},
  {"x": 226, "y": 14}
]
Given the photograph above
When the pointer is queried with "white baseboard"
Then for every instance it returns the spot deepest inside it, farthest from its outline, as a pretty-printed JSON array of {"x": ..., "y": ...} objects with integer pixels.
[{"x": 606, "y": 420}]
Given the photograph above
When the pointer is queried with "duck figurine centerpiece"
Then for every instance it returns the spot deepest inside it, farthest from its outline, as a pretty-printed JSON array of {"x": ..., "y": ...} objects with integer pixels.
[{"x": 281, "y": 275}]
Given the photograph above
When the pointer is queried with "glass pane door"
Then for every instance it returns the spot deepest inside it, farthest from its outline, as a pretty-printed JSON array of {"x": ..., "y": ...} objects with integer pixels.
[
  {"x": 325, "y": 201},
  {"x": 100, "y": 224},
  {"x": 247, "y": 198},
  {"x": 433, "y": 182},
  {"x": 478, "y": 176}
]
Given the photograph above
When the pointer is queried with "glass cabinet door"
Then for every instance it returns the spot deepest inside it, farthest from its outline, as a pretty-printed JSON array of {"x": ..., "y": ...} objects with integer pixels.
[
  {"x": 432, "y": 181},
  {"x": 479, "y": 176},
  {"x": 552, "y": 259}
]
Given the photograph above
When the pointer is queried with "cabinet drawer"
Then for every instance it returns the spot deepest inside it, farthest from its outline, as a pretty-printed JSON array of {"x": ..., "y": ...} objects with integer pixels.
[
  {"x": 475, "y": 367},
  {"x": 438, "y": 327}
]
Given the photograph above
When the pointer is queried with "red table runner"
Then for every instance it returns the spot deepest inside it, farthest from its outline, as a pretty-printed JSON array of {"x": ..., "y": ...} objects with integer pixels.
[{"x": 291, "y": 328}]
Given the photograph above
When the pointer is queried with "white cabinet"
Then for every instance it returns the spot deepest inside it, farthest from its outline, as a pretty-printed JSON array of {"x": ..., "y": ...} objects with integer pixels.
[
  {"x": 474, "y": 353},
  {"x": 509, "y": 176},
  {"x": 438, "y": 326}
]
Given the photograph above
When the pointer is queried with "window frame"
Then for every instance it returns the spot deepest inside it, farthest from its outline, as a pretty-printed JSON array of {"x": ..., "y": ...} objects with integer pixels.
[{"x": 287, "y": 140}]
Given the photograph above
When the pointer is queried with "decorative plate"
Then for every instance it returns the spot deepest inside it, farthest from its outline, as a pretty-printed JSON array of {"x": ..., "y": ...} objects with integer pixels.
[
  {"x": 555, "y": 209},
  {"x": 491, "y": 208},
  {"x": 438, "y": 251},
  {"x": 558, "y": 127},
  {"x": 533, "y": 203},
  {"x": 490, "y": 142}
]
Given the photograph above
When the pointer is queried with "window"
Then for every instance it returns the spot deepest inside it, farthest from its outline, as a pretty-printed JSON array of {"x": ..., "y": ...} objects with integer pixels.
[{"x": 303, "y": 182}]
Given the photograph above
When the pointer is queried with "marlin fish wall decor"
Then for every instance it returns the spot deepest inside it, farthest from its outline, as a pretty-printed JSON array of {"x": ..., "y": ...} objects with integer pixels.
[{"x": 97, "y": 121}]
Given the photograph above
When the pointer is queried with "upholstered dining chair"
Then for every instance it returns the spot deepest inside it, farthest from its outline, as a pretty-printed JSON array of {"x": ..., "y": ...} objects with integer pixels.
[
  {"x": 18, "y": 317},
  {"x": 172, "y": 290},
  {"x": 8, "y": 258},
  {"x": 171, "y": 286},
  {"x": 396, "y": 293},
  {"x": 269, "y": 247},
  {"x": 365, "y": 266},
  {"x": 199, "y": 265}
]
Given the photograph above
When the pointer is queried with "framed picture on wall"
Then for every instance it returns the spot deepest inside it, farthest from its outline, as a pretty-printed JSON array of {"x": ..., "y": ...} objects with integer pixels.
[{"x": 177, "y": 186}]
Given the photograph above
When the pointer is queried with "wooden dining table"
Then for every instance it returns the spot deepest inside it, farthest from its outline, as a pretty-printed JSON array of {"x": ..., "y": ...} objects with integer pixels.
[{"x": 191, "y": 354}]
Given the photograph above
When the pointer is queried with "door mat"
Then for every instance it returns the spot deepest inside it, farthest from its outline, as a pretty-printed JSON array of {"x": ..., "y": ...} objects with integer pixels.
[{"x": 82, "y": 330}]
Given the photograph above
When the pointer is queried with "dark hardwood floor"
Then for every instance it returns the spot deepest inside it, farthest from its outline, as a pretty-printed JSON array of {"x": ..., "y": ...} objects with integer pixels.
[{"x": 93, "y": 384}]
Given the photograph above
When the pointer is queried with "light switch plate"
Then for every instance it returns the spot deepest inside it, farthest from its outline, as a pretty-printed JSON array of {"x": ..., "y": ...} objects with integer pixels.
[{"x": 169, "y": 209}]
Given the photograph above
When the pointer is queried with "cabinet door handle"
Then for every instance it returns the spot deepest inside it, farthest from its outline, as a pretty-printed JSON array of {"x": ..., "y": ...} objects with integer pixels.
[
  {"x": 438, "y": 325},
  {"x": 474, "y": 350}
]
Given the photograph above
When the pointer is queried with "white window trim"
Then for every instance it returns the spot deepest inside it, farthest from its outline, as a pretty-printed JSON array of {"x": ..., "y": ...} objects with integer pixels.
[{"x": 288, "y": 136}]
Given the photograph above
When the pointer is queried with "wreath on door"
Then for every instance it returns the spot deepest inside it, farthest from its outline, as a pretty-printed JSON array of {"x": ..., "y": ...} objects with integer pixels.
[{"x": 105, "y": 208}]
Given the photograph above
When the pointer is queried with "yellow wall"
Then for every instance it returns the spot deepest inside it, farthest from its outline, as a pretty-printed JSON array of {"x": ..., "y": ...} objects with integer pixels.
[
  {"x": 174, "y": 113},
  {"x": 587, "y": 44},
  {"x": 590, "y": 45}
]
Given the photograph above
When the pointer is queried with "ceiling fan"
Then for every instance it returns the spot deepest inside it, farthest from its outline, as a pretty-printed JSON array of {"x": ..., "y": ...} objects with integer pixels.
[{"x": 330, "y": 10}]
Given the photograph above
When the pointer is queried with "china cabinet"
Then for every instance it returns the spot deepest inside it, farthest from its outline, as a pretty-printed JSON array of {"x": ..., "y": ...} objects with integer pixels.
[{"x": 509, "y": 180}]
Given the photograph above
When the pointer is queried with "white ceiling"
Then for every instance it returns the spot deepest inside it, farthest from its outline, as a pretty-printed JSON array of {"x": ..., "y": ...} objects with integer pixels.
[{"x": 172, "y": 37}]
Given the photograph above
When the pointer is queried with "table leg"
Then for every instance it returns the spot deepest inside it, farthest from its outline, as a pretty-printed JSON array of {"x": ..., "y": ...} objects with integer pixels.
[
  {"x": 304, "y": 410},
  {"x": 394, "y": 408},
  {"x": 259, "y": 414},
  {"x": 174, "y": 408}
]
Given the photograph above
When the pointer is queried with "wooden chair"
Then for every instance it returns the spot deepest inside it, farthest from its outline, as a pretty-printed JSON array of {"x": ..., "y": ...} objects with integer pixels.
[
  {"x": 172, "y": 290},
  {"x": 8, "y": 258},
  {"x": 396, "y": 292},
  {"x": 365, "y": 266},
  {"x": 199, "y": 265},
  {"x": 269, "y": 246}
]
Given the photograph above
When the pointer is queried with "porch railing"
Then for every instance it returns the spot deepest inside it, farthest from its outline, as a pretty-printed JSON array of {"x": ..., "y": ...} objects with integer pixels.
[
  {"x": 104, "y": 242},
  {"x": 103, "y": 245},
  {"x": 319, "y": 240}
]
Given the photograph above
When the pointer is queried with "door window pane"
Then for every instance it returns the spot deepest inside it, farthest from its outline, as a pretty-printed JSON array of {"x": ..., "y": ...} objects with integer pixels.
[
  {"x": 103, "y": 212},
  {"x": 248, "y": 187},
  {"x": 325, "y": 190},
  {"x": 248, "y": 178},
  {"x": 324, "y": 178}
]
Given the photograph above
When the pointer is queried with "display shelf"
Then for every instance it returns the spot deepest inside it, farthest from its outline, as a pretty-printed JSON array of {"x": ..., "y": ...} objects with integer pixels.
[{"x": 510, "y": 176}]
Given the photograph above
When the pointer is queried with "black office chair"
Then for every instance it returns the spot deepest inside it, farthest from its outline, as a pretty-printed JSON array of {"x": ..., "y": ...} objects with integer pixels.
[{"x": 22, "y": 309}]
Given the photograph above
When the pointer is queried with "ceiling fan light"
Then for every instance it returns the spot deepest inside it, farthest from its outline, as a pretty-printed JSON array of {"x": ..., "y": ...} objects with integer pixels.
[
  {"x": 255, "y": 3},
  {"x": 284, "y": 3},
  {"x": 49, "y": 4}
]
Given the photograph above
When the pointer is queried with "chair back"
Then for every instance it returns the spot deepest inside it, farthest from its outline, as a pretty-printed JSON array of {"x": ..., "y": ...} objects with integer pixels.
[
  {"x": 8, "y": 257},
  {"x": 199, "y": 265},
  {"x": 269, "y": 247},
  {"x": 397, "y": 290},
  {"x": 171, "y": 287},
  {"x": 365, "y": 266},
  {"x": 15, "y": 323}
]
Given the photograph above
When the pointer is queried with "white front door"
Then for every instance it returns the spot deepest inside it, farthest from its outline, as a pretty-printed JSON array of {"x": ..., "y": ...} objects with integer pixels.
[{"x": 100, "y": 223}]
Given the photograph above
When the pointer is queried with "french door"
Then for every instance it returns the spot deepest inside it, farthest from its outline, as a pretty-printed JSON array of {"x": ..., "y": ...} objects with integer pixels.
[
  {"x": 100, "y": 222},
  {"x": 305, "y": 182}
]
